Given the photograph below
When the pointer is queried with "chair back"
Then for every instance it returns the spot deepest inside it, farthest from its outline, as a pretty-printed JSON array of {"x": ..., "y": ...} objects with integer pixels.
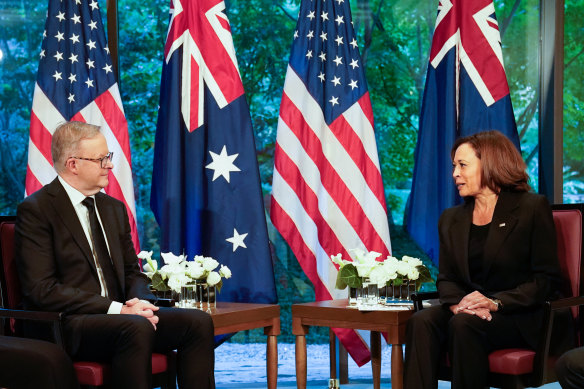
[
  {"x": 11, "y": 293},
  {"x": 568, "y": 219},
  {"x": 9, "y": 283}
]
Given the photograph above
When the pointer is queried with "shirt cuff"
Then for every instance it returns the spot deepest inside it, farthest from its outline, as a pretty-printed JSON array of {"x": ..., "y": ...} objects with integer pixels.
[{"x": 115, "y": 308}]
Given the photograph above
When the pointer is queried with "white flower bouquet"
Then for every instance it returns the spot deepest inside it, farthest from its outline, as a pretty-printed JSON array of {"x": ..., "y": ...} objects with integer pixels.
[
  {"x": 389, "y": 272},
  {"x": 178, "y": 272}
]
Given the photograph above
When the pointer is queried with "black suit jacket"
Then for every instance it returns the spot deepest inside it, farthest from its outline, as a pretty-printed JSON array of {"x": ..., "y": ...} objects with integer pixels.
[
  {"x": 520, "y": 258},
  {"x": 54, "y": 260}
]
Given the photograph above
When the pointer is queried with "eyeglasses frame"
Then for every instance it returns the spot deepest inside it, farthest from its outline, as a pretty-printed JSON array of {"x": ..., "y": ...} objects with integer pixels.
[{"x": 101, "y": 160}]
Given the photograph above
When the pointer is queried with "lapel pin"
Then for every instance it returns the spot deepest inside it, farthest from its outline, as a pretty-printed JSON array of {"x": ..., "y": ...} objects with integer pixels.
[{"x": 502, "y": 225}]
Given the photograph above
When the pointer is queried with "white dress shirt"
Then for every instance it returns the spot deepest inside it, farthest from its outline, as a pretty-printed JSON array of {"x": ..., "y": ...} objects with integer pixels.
[{"x": 76, "y": 198}]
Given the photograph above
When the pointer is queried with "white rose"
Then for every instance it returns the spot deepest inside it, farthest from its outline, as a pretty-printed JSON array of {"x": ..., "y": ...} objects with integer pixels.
[
  {"x": 194, "y": 270},
  {"x": 403, "y": 268},
  {"x": 224, "y": 271},
  {"x": 380, "y": 275},
  {"x": 199, "y": 258},
  {"x": 413, "y": 274},
  {"x": 210, "y": 264},
  {"x": 213, "y": 278},
  {"x": 364, "y": 269},
  {"x": 412, "y": 261},
  {"x": 176, "y": 281}
]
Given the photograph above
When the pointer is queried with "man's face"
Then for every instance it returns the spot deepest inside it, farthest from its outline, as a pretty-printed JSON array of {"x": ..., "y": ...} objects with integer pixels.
[{"x": 91, "y": 176}]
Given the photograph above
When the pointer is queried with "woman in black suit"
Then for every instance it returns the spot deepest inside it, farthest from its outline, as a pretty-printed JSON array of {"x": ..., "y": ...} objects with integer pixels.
[{"x": 498, "y": 264}]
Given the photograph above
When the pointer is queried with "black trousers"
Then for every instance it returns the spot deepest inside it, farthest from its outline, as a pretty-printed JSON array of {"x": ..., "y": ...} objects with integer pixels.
[
  {"x": 33, "y": 364},
  {"x": 468, "y": 340},
  {"x": 570, "y": 369},
  {"x": 127, "y": 342}
]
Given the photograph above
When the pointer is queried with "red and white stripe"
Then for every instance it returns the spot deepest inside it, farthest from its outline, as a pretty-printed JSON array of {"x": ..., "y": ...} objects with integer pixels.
[
  {"x": 327, "y": 191},
  {"x": 105, "y": 111}
]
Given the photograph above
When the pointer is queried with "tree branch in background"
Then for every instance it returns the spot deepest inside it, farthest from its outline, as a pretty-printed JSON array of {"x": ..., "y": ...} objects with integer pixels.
[
  {"x": 507, "y": 21},
  {"x": 574, "y": 58},
  {"x": 286, "y": 13}
]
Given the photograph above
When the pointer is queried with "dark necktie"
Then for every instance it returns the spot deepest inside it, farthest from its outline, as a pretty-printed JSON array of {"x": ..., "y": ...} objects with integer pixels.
[{"x": 100, "y": 251}]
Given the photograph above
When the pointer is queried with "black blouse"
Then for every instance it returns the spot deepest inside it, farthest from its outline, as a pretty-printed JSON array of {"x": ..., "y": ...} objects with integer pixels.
[{"x": 476, "y": 248}]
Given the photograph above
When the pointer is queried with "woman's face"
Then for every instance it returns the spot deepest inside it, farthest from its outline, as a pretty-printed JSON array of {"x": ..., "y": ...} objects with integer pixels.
[{"x": 466, "y": 171}]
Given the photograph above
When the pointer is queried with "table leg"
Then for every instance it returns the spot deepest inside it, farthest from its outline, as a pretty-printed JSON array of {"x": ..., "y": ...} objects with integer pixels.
[
  {"x": 376, "y": 358},
  {"x": 272, "y": 361},
  {"x": 301, "y": 362},
  {"x": 333, "y": 354},
  {"x": 397, "y": 366}
]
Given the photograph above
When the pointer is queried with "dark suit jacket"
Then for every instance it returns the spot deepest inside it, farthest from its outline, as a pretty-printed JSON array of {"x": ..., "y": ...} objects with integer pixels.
[
  {"x": 54, "y": 260},
  {"x": 520, "y": 259}
]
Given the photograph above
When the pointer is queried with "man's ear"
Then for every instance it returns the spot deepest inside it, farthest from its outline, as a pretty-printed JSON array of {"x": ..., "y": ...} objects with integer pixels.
[{"x": 71, "y": 165}]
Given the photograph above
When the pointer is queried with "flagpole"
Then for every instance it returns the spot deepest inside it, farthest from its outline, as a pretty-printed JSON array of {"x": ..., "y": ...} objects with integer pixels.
[{"x": 112, "y": 35}]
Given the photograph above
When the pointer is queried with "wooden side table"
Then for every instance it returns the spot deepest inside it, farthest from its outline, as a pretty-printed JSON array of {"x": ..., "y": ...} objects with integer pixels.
[
  {"x": 335, "y": 314},
  {"x": 233, "y": 317}
]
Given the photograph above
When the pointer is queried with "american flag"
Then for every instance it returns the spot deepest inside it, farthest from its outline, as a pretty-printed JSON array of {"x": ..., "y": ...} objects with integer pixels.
[
  {"x": 327, "y": 191},
  {"x": 76, "y": 83}
]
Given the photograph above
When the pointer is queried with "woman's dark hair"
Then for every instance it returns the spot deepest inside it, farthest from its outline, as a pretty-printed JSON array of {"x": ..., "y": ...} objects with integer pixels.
[{"x": 502, "y": 166}]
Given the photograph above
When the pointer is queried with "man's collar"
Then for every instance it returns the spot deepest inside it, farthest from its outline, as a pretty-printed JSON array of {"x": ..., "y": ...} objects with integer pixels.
[{"x": 75, "y": 196}]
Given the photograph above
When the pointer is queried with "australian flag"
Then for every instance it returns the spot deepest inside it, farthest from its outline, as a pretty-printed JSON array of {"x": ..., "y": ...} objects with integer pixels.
[
  {"x": 206, "y": 192},
  {"x": 466, "y": 92}
]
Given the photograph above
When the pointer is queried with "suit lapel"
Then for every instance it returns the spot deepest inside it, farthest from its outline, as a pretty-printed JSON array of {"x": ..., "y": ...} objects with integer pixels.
[
  {"x": 503, "y": 222},
  {"x": 109, "y": 223},
  {"x": 461, "y": 230},
  {"x": 66, "y": 212}
]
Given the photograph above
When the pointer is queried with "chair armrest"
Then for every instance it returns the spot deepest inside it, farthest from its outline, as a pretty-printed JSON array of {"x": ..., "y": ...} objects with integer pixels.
[
  {"x": 30, "y": 315},
  {"x": 55, "y": 318},
  {"x": 567, "y": 302},
  {"x": 418, "y": 298}
]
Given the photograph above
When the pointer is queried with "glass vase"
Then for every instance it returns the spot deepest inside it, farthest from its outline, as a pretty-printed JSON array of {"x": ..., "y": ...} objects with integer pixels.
[
  {"x": 187, "y": 296},
  {"x": 383, "y": 295},
  {"x": 199, "y": 293},
  {"x": 211, "y": 297},
  {"x": 352, "y": 296},
  {"x": 370, "y": 292}
]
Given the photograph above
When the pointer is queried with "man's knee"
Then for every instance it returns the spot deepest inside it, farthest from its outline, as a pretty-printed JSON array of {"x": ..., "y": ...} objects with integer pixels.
[
  {"x": 135, "y": 327},
  {"x": 199, "y": 321},
  {"x": 571, "y": 364},
  {"x": 462, "y": 323}
]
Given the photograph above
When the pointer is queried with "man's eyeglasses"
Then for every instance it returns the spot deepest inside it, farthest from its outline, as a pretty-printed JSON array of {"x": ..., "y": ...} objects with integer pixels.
[{"x": 103, "y": 161}]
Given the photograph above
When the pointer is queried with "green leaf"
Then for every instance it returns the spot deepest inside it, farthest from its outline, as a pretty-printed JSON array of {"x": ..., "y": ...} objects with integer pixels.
[
  {"x": 348, "y": 275},
  {"x": 340, "y": 284},
  {"x": 398, "y": 281},
  {"x": 425, "y": 275},
  {"x": 158, "y": 283}
]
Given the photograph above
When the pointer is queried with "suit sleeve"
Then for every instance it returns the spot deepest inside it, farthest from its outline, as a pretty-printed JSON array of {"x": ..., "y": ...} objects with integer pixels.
[
  {"x": 38, "y": 269},
  {"x": 545, "y": 272}
]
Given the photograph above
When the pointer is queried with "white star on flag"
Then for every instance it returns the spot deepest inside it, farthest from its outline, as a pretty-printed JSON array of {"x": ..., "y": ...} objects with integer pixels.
[
  {"x": 223, "y": 164},
  {"x": 237, "y": 240}
]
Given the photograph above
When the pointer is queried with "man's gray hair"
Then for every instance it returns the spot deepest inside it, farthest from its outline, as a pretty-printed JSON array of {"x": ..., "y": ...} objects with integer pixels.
[{"x": 66, "y": 140}]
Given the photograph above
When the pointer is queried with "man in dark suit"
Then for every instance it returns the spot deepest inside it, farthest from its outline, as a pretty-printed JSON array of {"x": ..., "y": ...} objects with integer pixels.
[
  {"x": 34, "y": 364},
  {"x": 75, "y": 255}
]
